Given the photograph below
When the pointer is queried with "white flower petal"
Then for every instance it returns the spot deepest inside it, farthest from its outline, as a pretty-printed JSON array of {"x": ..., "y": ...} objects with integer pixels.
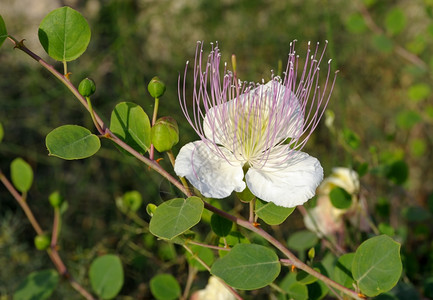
[
  {"x": 289, "y": 184},
  {"x": 212, "y": 175}
]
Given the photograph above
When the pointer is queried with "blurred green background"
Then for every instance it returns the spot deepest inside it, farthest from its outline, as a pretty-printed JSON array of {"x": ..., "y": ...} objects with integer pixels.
[{"x": 382, "y": 104}]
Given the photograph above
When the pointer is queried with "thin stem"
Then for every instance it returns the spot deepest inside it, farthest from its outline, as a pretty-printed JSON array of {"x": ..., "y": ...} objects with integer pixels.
[
  {"x": 191, "y": 275},
  {"x": 155, "y": 114},
  {"x": 22, "y": 203},
  {"x": 65, "y": 68},
  {"x": 172, "y": 161},
  {"x": 251, "y": 205},
  {"x": 56, "y": 225},
  {"x": 92, "y": 114},
  {"x": 208, "y": 246}
]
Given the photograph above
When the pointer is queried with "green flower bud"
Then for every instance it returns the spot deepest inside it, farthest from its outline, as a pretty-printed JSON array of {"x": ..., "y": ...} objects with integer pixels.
[
  {"x": 156, "y": 87},
  {"x": 132, "y": 200},
  {"x": 164, "y": 134},
  {"x": 311, "y": 253},
  {"x": 150, "y": 209},
  {"x": 87, "y": 87},
  {"x": 55, "y": 199},
  {"x": 42, "y": 242}
]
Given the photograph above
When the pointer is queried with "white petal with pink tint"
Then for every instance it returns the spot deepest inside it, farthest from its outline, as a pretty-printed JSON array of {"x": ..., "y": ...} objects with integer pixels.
[
  {"x": 211, "y": 174},
  {"x": 289, "y": 184}
]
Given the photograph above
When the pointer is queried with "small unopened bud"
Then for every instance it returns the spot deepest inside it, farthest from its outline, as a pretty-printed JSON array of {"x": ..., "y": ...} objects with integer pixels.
[
  {"x": 311, "y": 253},
  {"x": 42, "y": 242},
  {"x": 55, "y": 199},
  {"x": 165, "y": 134},
  {"x": 150, "y": 209},
  {"x": 87, "y": 87},
  {"x": 132, "y": 200},
  {"x": 156, "y": 87}
]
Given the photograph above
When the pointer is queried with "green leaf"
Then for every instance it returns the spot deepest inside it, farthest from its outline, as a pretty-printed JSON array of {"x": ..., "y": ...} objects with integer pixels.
[
  {"x": 272, "y": 214},
  {"x": 419, "y": 91},
  {"x": 298, "y": 291},
  {"x": 343, "y": 270},
  {"x": 377, "y": 265},
  {"x": 383, "y": 43},
  {"x": 306, "y": 278},
  {"x": 220, "y": 225},
  {"x": 351, "y": 138},
  {"x": 356, "y": 24},
  {"x": 205, "y": 254},
  {"x": 72, "y": 142},
  {"x": 21, "y": 175},
  {"x": 231, "y": 240},
  {"x": 418, "y": 147},
  {"x": 64, "y": 34},
  {"x": 398, "y": 172},
  {"x": 106, "y": 276},
  {"x": 176, "y": 216},
  {"x": 317, "y": 290},
  {"x": 417, "y": 45},
  {"x": 3, "y": 31},
  {"x": 164, "y": 287},
  {"x": 37, "y": 285},
  {"x": 302, "y": 240},
  {"x": 407, "y": 119},
  {"x": 248, "y": 267},
  {"x": 131, "y": 124},
  {"x": 386, "y": 229},
  {"x": 340, "y": 198},
  {"x": 395, "y": 21}
]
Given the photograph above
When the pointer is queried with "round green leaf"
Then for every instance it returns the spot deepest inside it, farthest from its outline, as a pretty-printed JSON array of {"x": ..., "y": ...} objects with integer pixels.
[
  {"x": 377, "y": 265},
  {"x": 64, "y": 34},
  {"x": 176, "y": 216},
  {"x": 356, "y": 24},
  {"x": 407, "y": 119},
  {"x": 298, "y": 291},
  {"x": 164, "y": 287},
  {"x": 305, "y": 278},
  {"x": 351, "y": 138},
  {"x": 131, "y": 124},
  {"x": 419, "y": 91},
  {"x": 302, "y": 240},
  {"x": 21, "y": 175},
  {"x": 3, "y": 32},
  {"x": 395, "y": 21},
  {"x": 340, "y": 198},
  {"x": 72, "y": 142},
  {"x": 383, "y": 43},
  {"x": 343, "y": 270},
  {"x": 272, "y": 214},
  {"x": 220, "y": 225},
  {"x": 398, "y": 172},
  {"x": 37, "y": 285},
  {"x": 248, "y": 267},
  {"x": 106, "y": 276},
  {"x": 205, "y": 254}
]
